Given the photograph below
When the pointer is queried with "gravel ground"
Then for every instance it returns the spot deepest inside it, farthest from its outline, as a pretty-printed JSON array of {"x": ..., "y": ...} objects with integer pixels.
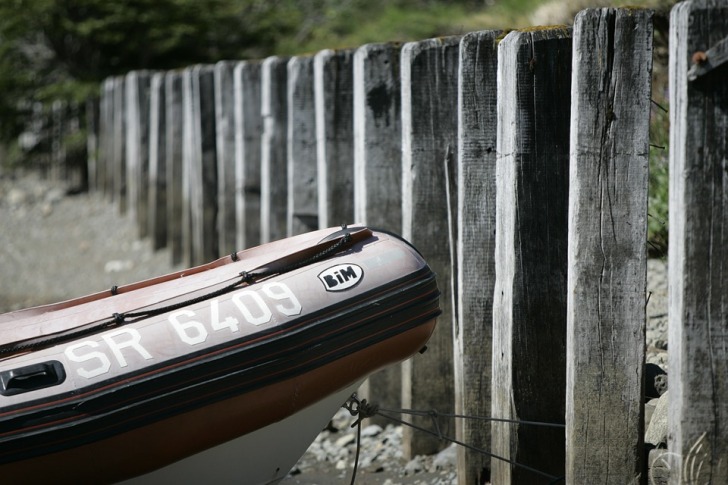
[{"x": 55, "y": 246}]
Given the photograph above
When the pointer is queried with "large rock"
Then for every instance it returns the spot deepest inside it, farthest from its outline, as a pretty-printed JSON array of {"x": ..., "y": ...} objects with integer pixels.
[
  {"x": 657, "y": 430},
  {"x": 655, "y": 381}
]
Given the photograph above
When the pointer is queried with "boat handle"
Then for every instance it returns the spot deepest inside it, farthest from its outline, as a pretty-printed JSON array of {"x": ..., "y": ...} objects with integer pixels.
[{"x": 31, "y": 377}]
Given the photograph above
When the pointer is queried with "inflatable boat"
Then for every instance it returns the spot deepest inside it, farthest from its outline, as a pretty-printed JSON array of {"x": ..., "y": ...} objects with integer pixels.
[{"x": 221, "y": 373}]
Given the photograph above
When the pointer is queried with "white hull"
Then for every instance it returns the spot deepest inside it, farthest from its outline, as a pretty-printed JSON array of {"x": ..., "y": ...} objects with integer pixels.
[{"x": 262, "y": 457}]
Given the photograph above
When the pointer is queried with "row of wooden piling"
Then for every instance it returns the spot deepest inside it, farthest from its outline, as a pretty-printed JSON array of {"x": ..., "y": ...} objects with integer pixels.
[{"x": 518, "y": 164}]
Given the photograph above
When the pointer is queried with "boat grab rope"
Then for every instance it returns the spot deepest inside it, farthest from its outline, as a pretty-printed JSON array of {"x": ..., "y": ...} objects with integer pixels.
[
  {"x": 246, "y": 278},
  {"x": 363, "y": 409}
]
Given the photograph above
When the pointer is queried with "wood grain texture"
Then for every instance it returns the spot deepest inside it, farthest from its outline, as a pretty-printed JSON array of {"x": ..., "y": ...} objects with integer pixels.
[
  {"x": 57, "y": 128},
  {"x": 137, "y": 147},
  {"x": 106, "y": 138},
  {"x": 378, "y": 172},
  {"x": 334, "y": 103},
  {"x": 173, "y": 151},
  {"x": 189, "y": 152},
  {"x": 248, "y": 132},
  {"x": 302, "y": 214},
  {"x": 109, "y": 140},
  {"x": 429, "y": 145},
  {"x": 91, "y": 110},
  {"x": 698, "y": 249},
  {"x": 378, "y": 136},
  {"x": 119, "y": 148},
  {"x": 529, "y": 307},
  {"x": 473, "y": 333},
  {"x": 609, "y": 159},
  {"x": 274, "y": 149},
  {"x": 157, "y": 199},
  {"x": 225, "y": 152},
  {"x": 205, "y": 191},
  {"x": 200, "y": 165}
]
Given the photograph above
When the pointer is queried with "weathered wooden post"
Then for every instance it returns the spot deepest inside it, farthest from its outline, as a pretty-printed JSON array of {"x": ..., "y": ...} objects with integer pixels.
[
  {"x": 93, "y": 140},
  {"x": 698, "y": 246},
  {"x": 58, "y": 150},
  {"x": 203, "y": 172},
  {"x": 199, "y": 173},
  {"x": 225, "y": 148},
  {"x": 76, "y": 169},
  {"x": 137, "y": 147},
  {"x": 189, "y": 152},
  {"x": 429, "y": 146},
  {"x": 106, "y": 123},
  {"x": 529, "y": 306},
  {"x": 610, "y": 114},
  {"x": 157, "y": 205},
  {"x": 378, "y": 137},
  {"x": 173, "y": 151},
  {"x": 334, "y": 91},
  {"x": 274, "y": 149},
  {"x": 118, "y": 169},
  {"x": 378, "y": 171},
  {"x": 477, "y": 128},
  {"x": 302, "y": 214},
  {"x": 248, "y": 132},
  {"x": 107, "y": 140}
]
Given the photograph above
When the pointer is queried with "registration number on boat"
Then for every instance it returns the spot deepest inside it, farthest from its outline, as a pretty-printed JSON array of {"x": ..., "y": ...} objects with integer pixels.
[
  {"x": 256, "y": 307},
  {"x": 251, "y": 305}
]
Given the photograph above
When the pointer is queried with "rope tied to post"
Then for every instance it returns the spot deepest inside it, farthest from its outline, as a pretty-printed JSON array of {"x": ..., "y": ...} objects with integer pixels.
[{"x": 362, "y": 409}]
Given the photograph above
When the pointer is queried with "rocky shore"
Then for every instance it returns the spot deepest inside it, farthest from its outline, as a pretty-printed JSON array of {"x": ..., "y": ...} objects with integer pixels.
[{"x": 55, "y": 246}]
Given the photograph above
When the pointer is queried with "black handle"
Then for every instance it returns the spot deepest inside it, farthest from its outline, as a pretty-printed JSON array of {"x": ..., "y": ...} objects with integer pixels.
[{"x": 31, "y": 377}]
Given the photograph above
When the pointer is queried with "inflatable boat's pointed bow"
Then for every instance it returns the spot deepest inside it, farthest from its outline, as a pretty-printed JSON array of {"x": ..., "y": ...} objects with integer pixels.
[{"x": 114, "y": 386}]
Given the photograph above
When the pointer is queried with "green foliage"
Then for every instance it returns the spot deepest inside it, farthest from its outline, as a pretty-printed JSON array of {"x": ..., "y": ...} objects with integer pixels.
[
  {"x": 658, "y": 201},
  {"x": 62, "y": 49},
  {"x": 335, "y": 24},
  {"x": 357, "y": 23}
]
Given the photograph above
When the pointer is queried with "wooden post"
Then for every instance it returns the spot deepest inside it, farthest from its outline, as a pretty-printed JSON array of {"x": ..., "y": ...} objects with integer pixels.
[
  {"x": 610, "y": 115},
  {"x": 472, "y": 336},
  {"x": 109, "y": 141},
  {"x": 429, "y": 145},
  {"x": 103, "y": 159},
  {"x": 302, "y": 181},
  {"x": 93, "y": 137},
  {"x": 76, "y": 168},
  {"x": 157, "y": 218},
  {"x": 137, "y": 147},
  {"x": 188, "y": 154},
  {"x": 203, "y": 171},
  {"x": 118, "y": 169},
  {"x": 58, "y": 152},
  {"x": 698, "y": 246},
  {"x": 378, "y": 137},
  {"x": 334, "y": 91},
  {"x": 173, "y": 151},
  {"x": 378, "y": 172},
  {"x": 225, "y": 145},
  {"x": 274, "y": 149},
  {"x": 248, "y": 131},
  {"x": 106, "y": 172},
  {"x": 529, "y": 306},
  {"x": 199, "y": 171}
]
